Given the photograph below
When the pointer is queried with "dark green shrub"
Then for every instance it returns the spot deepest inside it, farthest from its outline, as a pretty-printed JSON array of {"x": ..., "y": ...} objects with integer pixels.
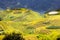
[
  {"x": 53, "y": 27},
  {"x": 58, "y": 38},
  {"x": 0, "y": 19},
  {"x": 13, "y": 36}
]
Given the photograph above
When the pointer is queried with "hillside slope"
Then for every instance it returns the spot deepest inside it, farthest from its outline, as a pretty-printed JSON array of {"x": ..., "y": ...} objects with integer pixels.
[{"x": 31, "y": 24}]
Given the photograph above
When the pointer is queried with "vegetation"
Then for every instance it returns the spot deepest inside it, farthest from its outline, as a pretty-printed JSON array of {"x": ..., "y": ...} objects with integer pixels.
[
  {"x": 32, "y": 25},
  {"x": 13, "y": 36},
  {"x": 53, "y": 27}
]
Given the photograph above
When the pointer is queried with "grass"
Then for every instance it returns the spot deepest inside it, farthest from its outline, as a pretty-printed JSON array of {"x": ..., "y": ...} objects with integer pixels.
[{"x": 31, "y": 24}]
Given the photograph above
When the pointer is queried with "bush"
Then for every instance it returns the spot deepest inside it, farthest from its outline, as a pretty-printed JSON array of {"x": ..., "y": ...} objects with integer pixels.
[
  {"x": 53, "y": 27},
  {"x": 0, "y": 19},
  {"x": 58, "y": 38},
  {"x": 13, "y": 36}
]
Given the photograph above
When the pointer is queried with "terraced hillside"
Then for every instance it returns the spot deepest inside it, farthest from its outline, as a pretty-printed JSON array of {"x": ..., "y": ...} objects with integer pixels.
[{"x": 31, "y": 24}]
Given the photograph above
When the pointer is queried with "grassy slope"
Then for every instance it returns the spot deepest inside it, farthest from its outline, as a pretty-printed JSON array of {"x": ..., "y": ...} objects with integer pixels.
[{"x": 30, "y": 23}]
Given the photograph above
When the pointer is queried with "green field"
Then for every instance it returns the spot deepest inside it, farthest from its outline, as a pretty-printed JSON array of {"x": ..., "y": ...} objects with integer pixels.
[{"x": 32, "y": 25}]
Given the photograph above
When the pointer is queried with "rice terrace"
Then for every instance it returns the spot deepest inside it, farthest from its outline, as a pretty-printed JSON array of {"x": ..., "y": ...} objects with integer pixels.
[{"x": 26, "y": 24}]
